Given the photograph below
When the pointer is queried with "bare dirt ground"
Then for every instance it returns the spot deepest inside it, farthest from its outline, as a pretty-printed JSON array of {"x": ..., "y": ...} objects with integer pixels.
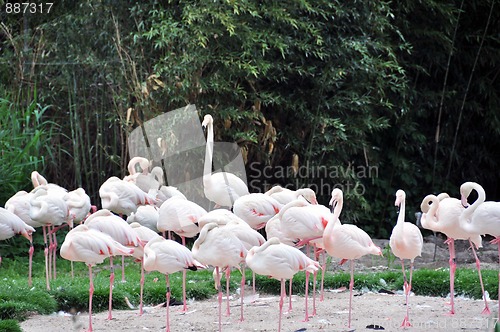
[{"x": 371, "y": 311}]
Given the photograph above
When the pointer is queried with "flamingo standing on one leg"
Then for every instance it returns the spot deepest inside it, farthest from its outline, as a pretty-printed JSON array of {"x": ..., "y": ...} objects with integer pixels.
[
  {"x": 168, "y": 257},
  {"x": 346, "y": 241},
  {"x": 273, "y": 229},
  {"x": 302, "y": 220},
  {"x": 180, "y": 216},
  {"x": 11, "y": 225},
  {"x": 83, "y": 244},
  {"x": 145, "y": 235},
  {"x": 219, "y": 247},
  {"x": 482, "y": 217},
  {"x": 281, "y": 262},
  {"x": 406, "y": 242},
  {"x": 443, "y": 215},
  {"x": 19, "y": 204},
  {"x": 250, "y": 238},
  {"x": 256, "y": 209},
  {"x": 111, "y": 224}
]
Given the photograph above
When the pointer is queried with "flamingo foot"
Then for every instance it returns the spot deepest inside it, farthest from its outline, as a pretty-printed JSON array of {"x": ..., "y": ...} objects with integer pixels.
[
  {"x": 406, "y": 322},
  {"x": 486, "y": 311}
]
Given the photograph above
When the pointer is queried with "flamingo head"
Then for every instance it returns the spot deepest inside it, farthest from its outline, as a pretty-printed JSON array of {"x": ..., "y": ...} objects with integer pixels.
[
  {"x": 337, "y": 196},
  {"x": 465, "y": 190},
  {"x": 207, "y": 120},
  {"x": 400, "y": 197}
]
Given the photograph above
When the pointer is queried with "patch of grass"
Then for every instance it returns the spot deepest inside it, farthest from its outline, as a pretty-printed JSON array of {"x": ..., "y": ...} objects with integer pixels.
[{"x": 10, "y": 325}]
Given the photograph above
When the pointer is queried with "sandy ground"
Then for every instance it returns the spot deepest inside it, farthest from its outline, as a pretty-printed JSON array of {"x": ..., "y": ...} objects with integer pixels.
[{"x": 371, "y": 311}]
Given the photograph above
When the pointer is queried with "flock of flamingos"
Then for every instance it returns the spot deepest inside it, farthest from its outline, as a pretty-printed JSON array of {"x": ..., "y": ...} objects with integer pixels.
[{"x": 137, "y": 208}]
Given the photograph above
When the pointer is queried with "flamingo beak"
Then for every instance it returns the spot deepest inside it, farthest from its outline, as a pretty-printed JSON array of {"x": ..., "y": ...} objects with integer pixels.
[
  {"x": 27, "y": 236},
  {"x": 333, "y": 203},
  {"x": 465, "y": 204}
]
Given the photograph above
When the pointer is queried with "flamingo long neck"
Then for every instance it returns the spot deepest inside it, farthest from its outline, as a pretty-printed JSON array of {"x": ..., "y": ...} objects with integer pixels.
[
  {"x": 337, "y": 210},
  {"x": 431, "y": 213},
  {"x": 287, "y": 206},
  {"x": 401, "y": 216},
  {"x": 329, "y": 229},
  {"x": 467, "y": 213},
  {"x": 207, "y": 169}
]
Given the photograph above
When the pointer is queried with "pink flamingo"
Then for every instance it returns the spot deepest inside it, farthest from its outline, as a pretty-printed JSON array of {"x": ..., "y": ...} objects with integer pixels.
[
  {"x": 145, "y": 235},
  {"x": 250, "y": 238},
  {"x": 11, "y": 225},
  {"x": 79, "y": 205},
  {"x": 122, "y": 197},
  {"x": 481, "y": 217},
  {"x": 83, "y": 244},
  {"x": 219, "y": 247},
  {"x": 223, "y": 188},
  {"x": 304, "y": 221},
  {"x": 345, "y": 241},
  {"x": 281, "y": 262},
  {"x": 180, "y": 216},
  {"x": 219, "y": 216},
  {"x": 256, "y": 209},
  {"x": 406, "y": 242},
  {"x": 146, "y": 215},
  {"x": 167, "y": 256},
  {"x": 443, "y": 215},
  {"x": 114, "y": 226},
  {"x": 50, "y": 209},
  {"x": 285, "y": 195},
  {"x": 19, "y": 204}
]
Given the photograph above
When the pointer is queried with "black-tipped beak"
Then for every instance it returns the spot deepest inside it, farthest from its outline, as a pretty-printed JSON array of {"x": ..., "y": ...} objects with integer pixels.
[{"x": 332, "y": 206}]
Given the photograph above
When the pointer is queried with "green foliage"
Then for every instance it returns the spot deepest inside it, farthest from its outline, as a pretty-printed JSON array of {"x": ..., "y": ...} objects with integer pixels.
[
  {"x": 25, "y": 142},
  {"x": 10, "y": 325}
]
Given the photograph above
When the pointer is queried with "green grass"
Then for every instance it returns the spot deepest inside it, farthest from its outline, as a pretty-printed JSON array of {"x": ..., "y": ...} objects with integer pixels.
[{"x": 18, "y": 301}]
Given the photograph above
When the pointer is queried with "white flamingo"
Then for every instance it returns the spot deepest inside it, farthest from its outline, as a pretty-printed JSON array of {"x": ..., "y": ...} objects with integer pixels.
[
  {"x": 223, "y": 188},
  {"x": 83, "y": 244},
  {"x": 406, "y": 242}
]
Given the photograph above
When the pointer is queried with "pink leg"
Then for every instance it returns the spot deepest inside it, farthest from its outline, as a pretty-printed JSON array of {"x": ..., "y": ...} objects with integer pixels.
[
  {"x": 142, "y": 288},
  {"x": 30, "y": 253},
  {"x": 486, "y": 310},
  {"x": 54, "y": 252},
  {"x": 497, "y": 241},
  {"x": 281, "y": 303},
  {"x": 168, "y": 302},
  {"x": 324, "y": 258},
  {"x": 453, "y": 267},
  {"x": 228, "y": 275},
  {"x": 407, "y": 288},
  {"x": 111, "y": 280},
  {"x": 219, "y": 298},
  {"x": 306, "y": 319},
  {"x": 290, "y": 295},
  {"x": 315, "y": 274},
  {"x": 46, "y": 253},
  {"x": 123, "y": 269},
  {"x": 351, "y": 286},
  {"x": 50, "y": 251},
  {"x": 253, "y": 282},
  {"x": 242, "y": 292},
  {"x": 91, "y": 293},
  {"x": 184, "y": 301}
]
